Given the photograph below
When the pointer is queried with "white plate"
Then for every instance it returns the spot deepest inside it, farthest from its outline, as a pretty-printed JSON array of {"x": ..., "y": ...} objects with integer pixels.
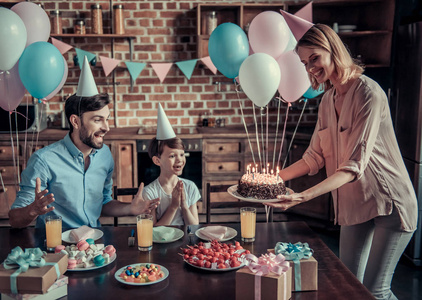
[
  {"x": 177, "y": 235},
  {"x": 230, "y": 233},
  {"x": 113, "y": 258},
  {"x": 346, "y": 28},
  {"x": 233, "y": 191},
  {"x": 119, "y": 279},
  {"x": 68, "y": 239},
  {"x": 217, "y": 270}
]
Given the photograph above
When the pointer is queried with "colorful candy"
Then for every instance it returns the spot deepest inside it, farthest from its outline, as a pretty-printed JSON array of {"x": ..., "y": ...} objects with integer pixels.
[{"x": 142, "y": 273}]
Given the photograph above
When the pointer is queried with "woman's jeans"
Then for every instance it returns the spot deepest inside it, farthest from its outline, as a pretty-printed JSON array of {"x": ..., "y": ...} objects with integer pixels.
[{"x": 371, "y": 250}]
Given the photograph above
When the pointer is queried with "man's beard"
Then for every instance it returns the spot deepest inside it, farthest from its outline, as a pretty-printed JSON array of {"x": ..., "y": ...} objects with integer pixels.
[{"x": 89, "y": 140}]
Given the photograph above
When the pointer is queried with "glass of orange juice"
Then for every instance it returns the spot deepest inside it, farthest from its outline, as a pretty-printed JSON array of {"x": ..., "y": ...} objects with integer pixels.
[
  {"x": 144, "y": 227},
  {"x": 53, "y": 231},
  {"x": 247, "y": 223}
]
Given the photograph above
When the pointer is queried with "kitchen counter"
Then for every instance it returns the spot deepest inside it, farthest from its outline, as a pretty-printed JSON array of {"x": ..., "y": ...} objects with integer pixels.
[{"x": 136, "y": 133}]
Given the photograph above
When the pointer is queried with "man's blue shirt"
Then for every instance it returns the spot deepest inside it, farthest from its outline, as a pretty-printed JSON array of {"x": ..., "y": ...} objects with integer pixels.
[{"x": 79, "y": 195}]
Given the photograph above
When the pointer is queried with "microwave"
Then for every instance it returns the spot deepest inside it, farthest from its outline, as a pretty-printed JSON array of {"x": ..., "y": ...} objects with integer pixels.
[{"x": 29, "y": 118}]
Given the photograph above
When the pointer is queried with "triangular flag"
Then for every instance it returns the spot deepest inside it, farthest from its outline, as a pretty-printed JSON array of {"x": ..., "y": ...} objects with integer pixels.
[
  {"x": 86, "y": 84},
  {"x": 305, "y": 12},
  {"x": 134, "y": 69},
  {"x": 81, "y": 53},
  {"x": 63, "y": 47},
  {"x": 187, "y": 67},
  {"x": 109, "y": 64},
  {"x": 207, "y": 61},
  {"x": 164, "y": 129},
  {"x": 161, "y": 69},
  {"x": 297, "y": 25}
]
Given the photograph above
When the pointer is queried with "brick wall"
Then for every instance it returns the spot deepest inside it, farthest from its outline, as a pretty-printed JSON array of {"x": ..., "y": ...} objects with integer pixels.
[{"x": 165, "y": 32}]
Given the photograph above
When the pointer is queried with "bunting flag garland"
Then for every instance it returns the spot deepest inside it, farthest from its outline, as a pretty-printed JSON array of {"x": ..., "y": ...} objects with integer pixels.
[
  {"x": 134, "y": 69},
  {"x": 161, "y": 69},
  {"x": 81, "y": 54},
  {"x": 109, "y": 64},
  {"x": 187, "y": 67},
  {"x": 63, "y": 47},
  {"x": 207, "y": 61}
]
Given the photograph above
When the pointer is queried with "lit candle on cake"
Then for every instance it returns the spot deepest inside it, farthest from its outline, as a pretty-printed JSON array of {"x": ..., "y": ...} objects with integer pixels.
[{"x": 278, "y": 171}]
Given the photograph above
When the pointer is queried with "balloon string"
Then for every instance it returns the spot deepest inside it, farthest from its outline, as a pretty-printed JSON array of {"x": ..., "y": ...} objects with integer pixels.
[
  {"x": 294, "y": 132},
  {"x": 244, "y": 122},
  {"x": 4, "y": 191},
  {"x": 256, "y": 134},
  {"x": 26, "y": 136},
  {"x": 284, "y": 132},
  {"x": 276, "y": 132},
  {"x": 13, "y": 149},
  {"x": 38, "y": 125},
  {"x": 262, "y": 138},
  {"x": 267, "y": 150},
  {"x": 17, "y": 146},
  {"x": 267, "y": 212}
]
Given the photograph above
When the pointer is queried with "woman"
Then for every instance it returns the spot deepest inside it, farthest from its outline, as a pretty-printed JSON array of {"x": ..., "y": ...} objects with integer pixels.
[{"x": 374, "y": 201}]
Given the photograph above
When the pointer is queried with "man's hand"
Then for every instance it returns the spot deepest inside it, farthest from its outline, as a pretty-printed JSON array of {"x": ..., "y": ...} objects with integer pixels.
[
  {"x": 141, "y": 206},
  {"x": 287, "y": 201},
  {"x": 39, "y": 206}
]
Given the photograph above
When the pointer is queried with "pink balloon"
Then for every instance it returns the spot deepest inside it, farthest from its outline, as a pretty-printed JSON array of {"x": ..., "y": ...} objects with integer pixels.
[
  {"x": 59, "y": 87},
  {"x": 294, "y": 80},
  {"x": 36, "y": 21},
  {"x": 12, "y": 90},
  {"x": 269, "y": 33}
]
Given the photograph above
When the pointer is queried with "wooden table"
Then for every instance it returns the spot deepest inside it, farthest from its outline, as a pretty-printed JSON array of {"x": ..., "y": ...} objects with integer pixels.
[{"x": 335, "y": 281}]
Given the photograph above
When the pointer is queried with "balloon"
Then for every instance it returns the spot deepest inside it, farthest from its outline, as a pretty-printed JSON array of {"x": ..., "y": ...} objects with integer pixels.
[
  {"x": 291, "y": 44},
  {"x": 269, "y": 33},
  {"x": 311, "y": 93},
  {"x": 11, "y": 89},
  {"x": 41, "y": 69},
  {"x": 259, "y": 76},
  {"x": 294, "y": 78},
  {"x": 35, "y": 19},
  {"x": 64, "y": 78},
  {"x": 12, "y": 38},
  {"x": 228, "y": 47}
]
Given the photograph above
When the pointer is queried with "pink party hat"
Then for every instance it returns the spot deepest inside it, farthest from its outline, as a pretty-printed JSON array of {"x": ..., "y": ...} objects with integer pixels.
[
  {"x": 305, "y": 12},
  {"x": 297, "y": 25},
  {"x": 86, "y": 84},
  {"x": 164, "y": 129}
]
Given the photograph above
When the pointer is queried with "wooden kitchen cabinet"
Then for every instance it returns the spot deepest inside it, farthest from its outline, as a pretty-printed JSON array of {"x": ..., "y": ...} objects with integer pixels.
[{"x": 371, "y": 41}]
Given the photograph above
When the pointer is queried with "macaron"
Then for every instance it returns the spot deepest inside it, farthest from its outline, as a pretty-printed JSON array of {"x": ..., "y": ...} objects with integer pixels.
[
  {"x": 59, "y": 248},
  {"x": 71, "y": 263},
  {"x": 90, "y": 241},
  {"x": 110, "y": 250},
  {"x": 98, "y": 260},
  {"x": 82, "y": 245}
]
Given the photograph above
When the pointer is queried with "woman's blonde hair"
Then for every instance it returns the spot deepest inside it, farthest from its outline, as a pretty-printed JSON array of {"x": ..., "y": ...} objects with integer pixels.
[{"x": 322, "y": 36}]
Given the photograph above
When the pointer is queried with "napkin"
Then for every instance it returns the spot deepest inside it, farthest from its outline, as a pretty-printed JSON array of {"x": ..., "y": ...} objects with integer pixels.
[
  {"x": 163, "y": 233},
  {"x": 82, "y": 233},
  {"x": 214, "y": 232}
]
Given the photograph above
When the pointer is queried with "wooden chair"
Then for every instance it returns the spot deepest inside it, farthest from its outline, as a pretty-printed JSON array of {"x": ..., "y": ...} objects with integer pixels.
[
  {"x": 122, "y": 192},
  {"x": 227, "y": 204}
]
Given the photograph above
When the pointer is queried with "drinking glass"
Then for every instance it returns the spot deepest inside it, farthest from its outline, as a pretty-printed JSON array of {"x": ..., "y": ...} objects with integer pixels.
[
  {"x": 248, "y": 223},
  {"x": 144, "y": 227},
  {"x": 53, "y": 231}
]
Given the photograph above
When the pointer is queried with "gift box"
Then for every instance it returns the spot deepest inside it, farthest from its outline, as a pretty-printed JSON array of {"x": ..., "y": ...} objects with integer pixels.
[
  {"x": 33, "y": 273},
  {"x": 252, "y": 284},
  {"x": 304, "y": 265}
]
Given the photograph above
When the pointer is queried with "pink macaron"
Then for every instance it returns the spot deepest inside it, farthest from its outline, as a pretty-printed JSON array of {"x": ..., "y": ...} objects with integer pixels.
[
  {"x": 71, "y": 263},
  {"x": 110, "y": 250},
  {"x": 82, "y": 245},
  {"x": 59, "y": 248}
]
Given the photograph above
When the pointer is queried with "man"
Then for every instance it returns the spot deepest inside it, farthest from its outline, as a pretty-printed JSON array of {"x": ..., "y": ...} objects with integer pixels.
[{"x": 73, "y": 177}]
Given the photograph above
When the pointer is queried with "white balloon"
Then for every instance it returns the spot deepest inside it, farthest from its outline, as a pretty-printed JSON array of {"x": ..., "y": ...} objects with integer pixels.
[{"x": 259, "y": 77}]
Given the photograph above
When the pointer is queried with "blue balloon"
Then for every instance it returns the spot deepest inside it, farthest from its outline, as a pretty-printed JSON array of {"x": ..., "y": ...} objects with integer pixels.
[
  {"x": 41, "y": 69},
  {"x": 311, "y": 93},
  {"x": 228, "y": 47}
]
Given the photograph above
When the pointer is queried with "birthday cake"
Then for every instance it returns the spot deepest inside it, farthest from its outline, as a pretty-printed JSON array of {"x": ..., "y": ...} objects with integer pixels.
[{"x": 261, "y": 186}]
